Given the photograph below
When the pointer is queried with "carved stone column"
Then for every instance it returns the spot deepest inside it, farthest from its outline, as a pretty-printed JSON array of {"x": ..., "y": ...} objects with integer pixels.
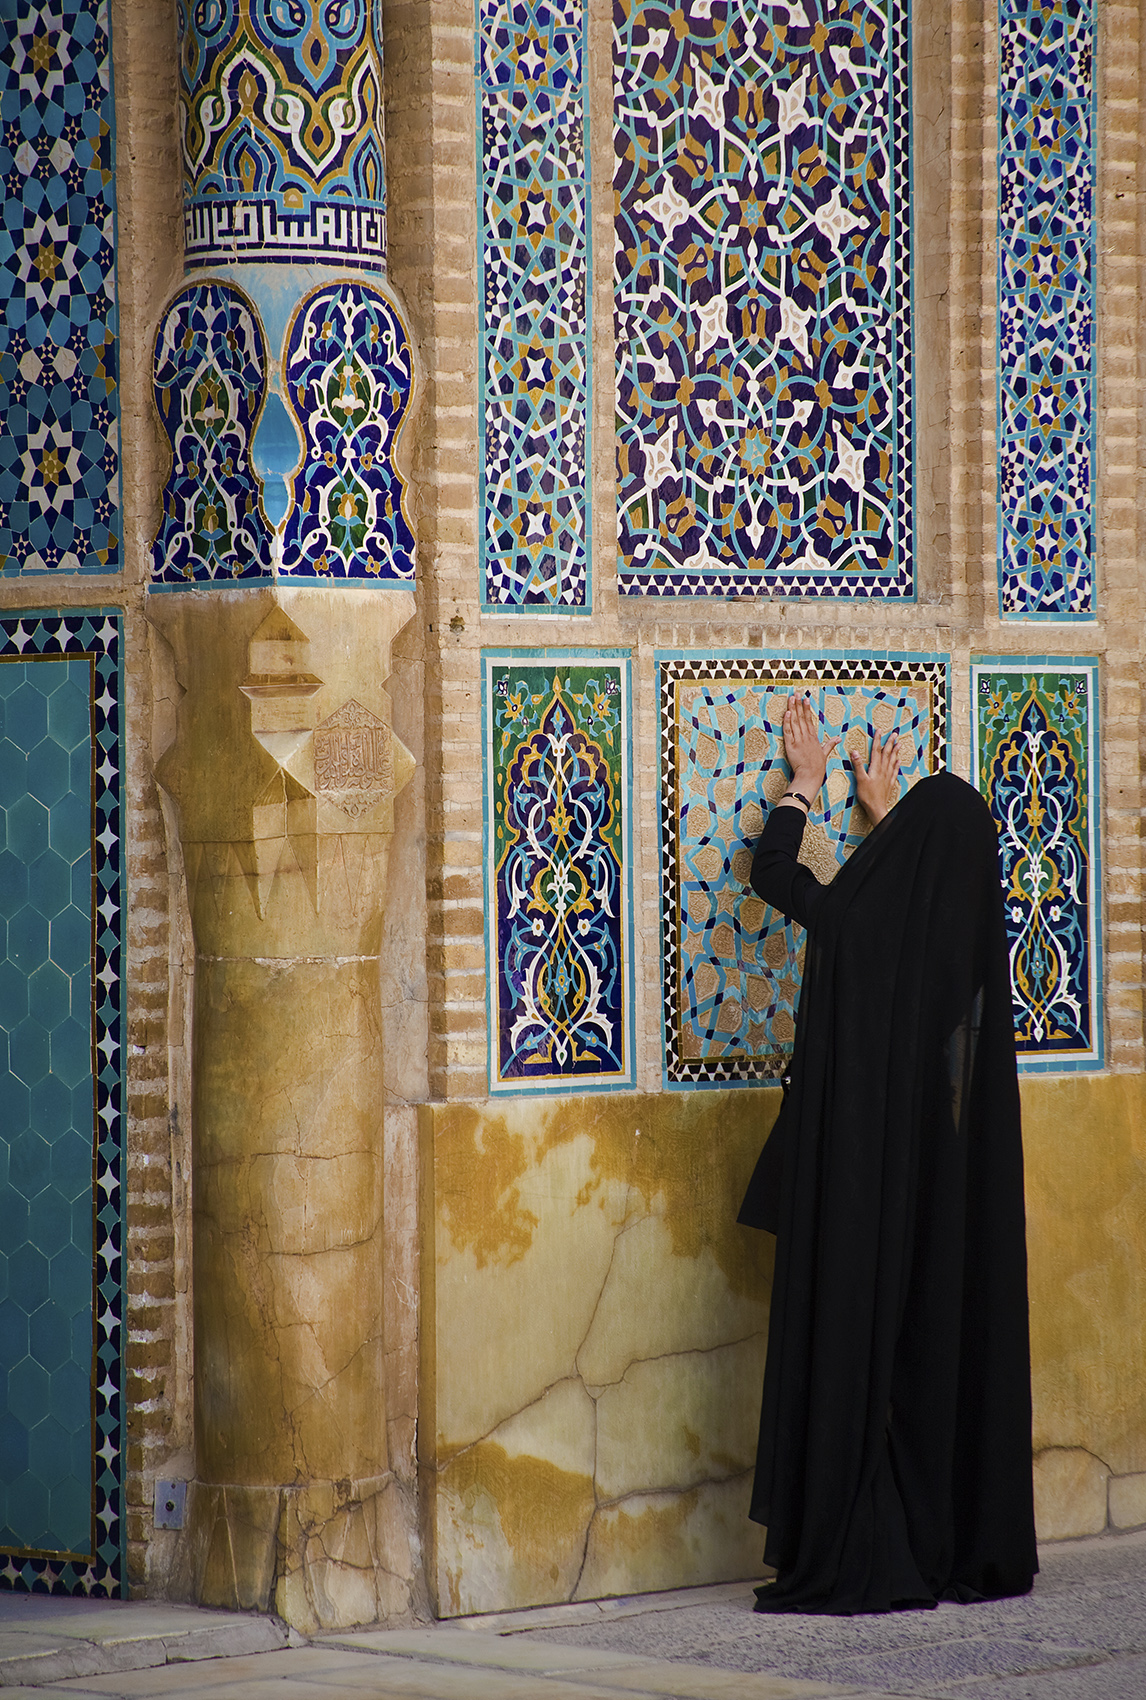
[{"x": 281, "y": 571}]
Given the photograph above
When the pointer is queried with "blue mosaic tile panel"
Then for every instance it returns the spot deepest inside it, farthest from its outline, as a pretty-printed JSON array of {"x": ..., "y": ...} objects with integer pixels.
[
  {"x": 763, "y": 293},
  {"x": 348, "y": 372},
  {"x": 62, "y": 1524},
  {"x": 282, "y": 132},
  {"x": 59, "y": 448},
  {"x": 733, "y": 966},
  {"x": 558, "y": 791},
  {"x": 210, "y": 379},
  {"x": 1034, "y": 732},
  {"x": 533, "y": 245},
  {"x": 1046, "y": 309}
]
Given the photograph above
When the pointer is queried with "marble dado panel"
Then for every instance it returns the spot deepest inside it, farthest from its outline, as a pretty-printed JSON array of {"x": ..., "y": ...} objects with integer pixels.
[
  {"x": 320, "y": 496},
  {"x": 732, "y": 965},
  {"x": 558, "y": 831},
  {"x": 59, "y": 448},
  {"x": 282, "y": 132},
  {"x": 592, "y": 1336},
  {"x": 62, "y": 1322},
  {"x": 1046, "y": 309},
  {"x": 533, "y": 247},
  {"x": 1035, "y": 750},
  {"x": 762, "y": 285}
]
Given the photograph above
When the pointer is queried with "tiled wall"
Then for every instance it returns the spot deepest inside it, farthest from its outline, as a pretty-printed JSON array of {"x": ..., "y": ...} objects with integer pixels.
[{"x": 62, "y": 1522}]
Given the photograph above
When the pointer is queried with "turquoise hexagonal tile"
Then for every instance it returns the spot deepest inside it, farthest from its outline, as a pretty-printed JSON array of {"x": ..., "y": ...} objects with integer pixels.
[
  {"x": 27, "y": 828},
  {"x": 50, "y": 1222},
  {"x": 50, "y": 884},
  {"x": 3, "y": 1280},
  {"x": 27, "y": 938},
  {"x": 13, "y": 1446},
  {"x": 13, "y": 1224},
  {"x": 70, "y": 941},
  {"x": 28, "y": 1276},
  {"x": 71, "y": 1162},
  {"x": 51, "y": 1115},
  {"x": 71, "y": 1051},
  {"x": 29, "y": 1055},
  {"x": 25, "y": 716},
  {"x": 49, "y": 771},
  {"x": 70, "y": 1394},
  {"x": 13, "y": 883},
  {"x": 12, "y": 675},
  {"x": 15, "y": 1104},
  {"x": 13, "y": 770},
  {"x": 49, "y": 1335},
  {"x": 71, "y": 1512},
  {"x": 81, "y": 881},
  {"x": 13, "y": 1334},
  {"x": 69, "y": 715},
  {"x": 29, "y": 1385},
  {"x": 48, "y": 1452},
  {"x": 82, "y": 1224},
  {"x": 29, "y": 1508},
  {"x": 29, "y": 1160},
  {"x": 69, "y": 831},
  {"x": 71, "y": 1278},
  {"x": 49, "y": 995}
]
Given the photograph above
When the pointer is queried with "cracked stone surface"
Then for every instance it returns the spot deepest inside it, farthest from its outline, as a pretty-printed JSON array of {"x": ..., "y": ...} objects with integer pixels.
[{"x": 597, "y": 1333}]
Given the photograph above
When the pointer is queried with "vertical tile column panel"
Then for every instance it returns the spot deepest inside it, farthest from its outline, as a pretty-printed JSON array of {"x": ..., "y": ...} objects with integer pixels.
[
  {"x": 1046, "y": 309},
  {"x": 59, "y": 446},
  {"x": 62, "y": 1523},
  {"x": 533, "y": 247}
]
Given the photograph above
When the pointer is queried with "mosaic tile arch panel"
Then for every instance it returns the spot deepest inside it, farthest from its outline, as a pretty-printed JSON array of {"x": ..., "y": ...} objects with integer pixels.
[
  {"x": 558, "y": 869},
  {"x": 59, "y": 447},
  {"x": 62, "y": 1278},
  {"x": 1034, "y": 731},
  {"x": 533, "y": 242},
  {"x": 1046, "y": 309},
  {"x": 732, "y": 965},
  {"x": 763, "y": 291},
  {"x": 282, "y": 132}
]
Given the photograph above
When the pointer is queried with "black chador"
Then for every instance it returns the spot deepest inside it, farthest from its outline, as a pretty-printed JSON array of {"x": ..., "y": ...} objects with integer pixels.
[{"x": 894, "y": 1466}]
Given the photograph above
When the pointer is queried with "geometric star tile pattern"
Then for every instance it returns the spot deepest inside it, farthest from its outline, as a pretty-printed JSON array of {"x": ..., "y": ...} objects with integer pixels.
[
  {"x": 1035, "y": 741},
  {"x": 59, "y": 448},
  {"x": 1046, "y": 309},
  {"x": 558, "y": 869},
  {"x": 533, "y": 258},
  {"x": 61, "y": 1269},
  {"x": 762, "y": 290},
  {"x": 732, "y": 965}
]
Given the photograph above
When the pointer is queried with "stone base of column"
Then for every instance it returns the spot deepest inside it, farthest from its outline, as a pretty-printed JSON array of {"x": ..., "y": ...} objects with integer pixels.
[{"x": 330, "y": 1555}]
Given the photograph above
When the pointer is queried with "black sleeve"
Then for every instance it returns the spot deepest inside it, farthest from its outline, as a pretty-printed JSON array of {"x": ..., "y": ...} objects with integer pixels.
[{"x": 777, "y": 876}]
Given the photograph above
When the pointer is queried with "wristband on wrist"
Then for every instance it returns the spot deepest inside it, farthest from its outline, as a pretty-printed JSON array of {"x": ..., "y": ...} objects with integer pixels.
[{"x": 800, "y": 798}]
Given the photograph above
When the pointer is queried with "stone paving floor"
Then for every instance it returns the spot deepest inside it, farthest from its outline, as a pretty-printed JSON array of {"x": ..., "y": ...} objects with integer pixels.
[{"x": 1080, "y": 1636}]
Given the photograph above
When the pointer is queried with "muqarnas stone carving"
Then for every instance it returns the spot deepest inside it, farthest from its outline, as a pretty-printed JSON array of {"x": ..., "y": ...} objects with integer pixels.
[
  {"x": 733, "y": 966},
  {"x": 762, "y": 287},
  {"x": 59, "y": 450},
  {"x": 1035, "y": 732},
  {"x": 210, "y": 382},
  {"x": 282, "y": 132},
  {"x": 557, "y": 877}
]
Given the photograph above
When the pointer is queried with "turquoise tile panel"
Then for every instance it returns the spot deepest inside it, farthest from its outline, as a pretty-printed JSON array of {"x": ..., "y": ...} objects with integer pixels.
[
  {"x": 61, "y": 1300},
  {"x": 732, "y": 966}
]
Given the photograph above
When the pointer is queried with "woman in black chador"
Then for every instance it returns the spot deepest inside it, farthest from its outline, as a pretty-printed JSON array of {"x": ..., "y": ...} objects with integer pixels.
[{"x": 894, "y": 1467}]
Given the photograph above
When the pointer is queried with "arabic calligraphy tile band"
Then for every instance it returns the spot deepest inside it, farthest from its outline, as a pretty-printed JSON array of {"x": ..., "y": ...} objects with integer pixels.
[
  {"x": 762, "y": 283},
  {"x": 1035, "y": 739},
  {"x": 282, "y": 131}
]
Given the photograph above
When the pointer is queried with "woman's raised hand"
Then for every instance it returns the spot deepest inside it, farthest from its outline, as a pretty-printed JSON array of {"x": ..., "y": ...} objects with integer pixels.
[
  {"x": 806, "y": 756},
  {"x": 877, "y": 784}
]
